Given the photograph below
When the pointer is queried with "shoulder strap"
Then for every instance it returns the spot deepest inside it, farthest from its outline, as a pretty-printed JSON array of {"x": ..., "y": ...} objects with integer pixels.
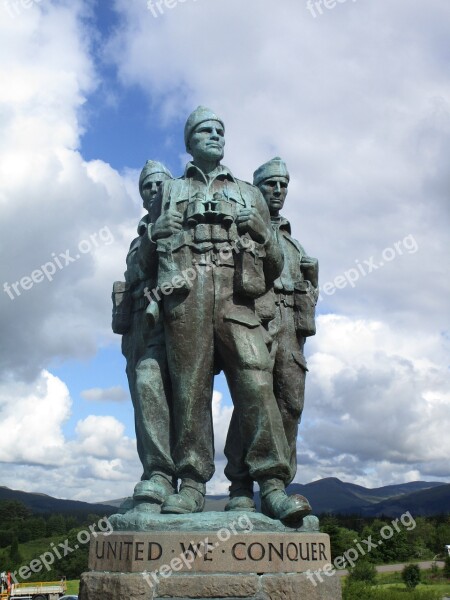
[{"x": 248, "y": 203}]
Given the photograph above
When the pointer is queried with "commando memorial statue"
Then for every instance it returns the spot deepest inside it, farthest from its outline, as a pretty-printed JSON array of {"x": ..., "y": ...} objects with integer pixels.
[{"x": 214, "y": 282}]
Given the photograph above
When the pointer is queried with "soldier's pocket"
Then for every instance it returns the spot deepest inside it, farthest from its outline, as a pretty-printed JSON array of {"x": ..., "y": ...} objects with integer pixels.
[
  {"x": 172, "y": 262},
  {"x": 174, "y": 308},
  {"x": 121, "y": 313},
  {"x": 305, "y": 309},
  {"x": 299, "y": 359},
  {"x": 243, "y": 316},
  {"x": 249, "y": 274}
]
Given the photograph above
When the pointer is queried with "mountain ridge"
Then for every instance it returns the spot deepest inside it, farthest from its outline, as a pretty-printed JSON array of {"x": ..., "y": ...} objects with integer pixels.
[{"x": 328, "y": 495}]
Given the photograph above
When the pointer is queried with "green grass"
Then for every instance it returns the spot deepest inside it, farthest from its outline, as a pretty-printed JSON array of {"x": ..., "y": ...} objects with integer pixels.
[
  {"x": 390, "y": 586},
  {"x": 35, "y": 548},
  {"x": 73, "y": 586},
  {"x": 429, "y": 581},
  {"x": 444, "y": 588},
  {"x": 360, "y": 591}
]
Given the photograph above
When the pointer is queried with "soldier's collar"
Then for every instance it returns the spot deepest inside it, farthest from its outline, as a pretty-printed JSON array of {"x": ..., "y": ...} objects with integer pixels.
[
  {"x": 142, "y": 226},
  {"x": 222, "y": 172},
  {"x": 281, "y": 223}
]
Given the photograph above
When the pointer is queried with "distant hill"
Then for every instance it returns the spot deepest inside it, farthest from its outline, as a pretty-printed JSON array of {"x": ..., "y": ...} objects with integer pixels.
[
  {"x": 329, "y": 495},
  {"x": 425, "y": 503},
  {"x": 41, "y": 503}
]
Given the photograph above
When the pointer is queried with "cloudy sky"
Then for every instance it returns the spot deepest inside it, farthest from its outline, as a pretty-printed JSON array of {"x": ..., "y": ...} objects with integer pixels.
[{"x": 355, "y": 98}]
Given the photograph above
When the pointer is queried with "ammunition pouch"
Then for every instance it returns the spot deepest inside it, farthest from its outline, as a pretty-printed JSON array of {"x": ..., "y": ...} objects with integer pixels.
[
  {"x": 173, "y": 260},
  {"x": 204, "y": 233},
  {"x": 250, "y": 281},
  {"x": 121, "y": 312},
  {"x": 305, "y": 300},
  {"x": 265, "y": 307}
]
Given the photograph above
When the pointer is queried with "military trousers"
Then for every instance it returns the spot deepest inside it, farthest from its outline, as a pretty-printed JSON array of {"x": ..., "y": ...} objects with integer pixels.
[
  {"x": 211, "y": 326},
  {"x": 149, "y": 382},
  {"x": 133, "y": 348},
  {"x": 289, "y": 370}
]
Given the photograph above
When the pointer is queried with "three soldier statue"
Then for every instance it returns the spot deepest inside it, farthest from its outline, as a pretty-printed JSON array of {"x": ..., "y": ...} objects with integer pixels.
[{"x": 215, "y": 282}]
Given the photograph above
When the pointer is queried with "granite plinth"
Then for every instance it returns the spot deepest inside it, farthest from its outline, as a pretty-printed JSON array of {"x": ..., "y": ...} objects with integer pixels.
[
  {"x": 115, "y": 586},
  {"x": 209, "y": 556},
  {"x": 164, "y": 552}
]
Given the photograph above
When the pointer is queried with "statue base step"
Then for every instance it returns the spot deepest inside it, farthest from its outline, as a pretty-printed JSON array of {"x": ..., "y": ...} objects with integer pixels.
[{"x": 223, "y": 586}]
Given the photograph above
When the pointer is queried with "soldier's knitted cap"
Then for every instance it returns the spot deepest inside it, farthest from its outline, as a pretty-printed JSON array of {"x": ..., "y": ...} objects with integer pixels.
[
  {"x": 152, "y": 167},
  {"x": 200, "y": 115},
  {"x": 273, "y": 168}
]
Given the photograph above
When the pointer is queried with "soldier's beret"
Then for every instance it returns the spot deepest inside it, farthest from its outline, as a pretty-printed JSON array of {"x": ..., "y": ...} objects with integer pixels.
[
  {"x": 200, "y": 115},
  {"x": 273, "y": 168},
  {"x": 152, "y": 167}
]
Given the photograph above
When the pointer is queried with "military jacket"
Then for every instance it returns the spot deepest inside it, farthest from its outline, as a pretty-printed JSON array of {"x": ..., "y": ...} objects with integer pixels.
[
  {"x": 291, "y": 288},
  {"x": 209, "y": 206}
]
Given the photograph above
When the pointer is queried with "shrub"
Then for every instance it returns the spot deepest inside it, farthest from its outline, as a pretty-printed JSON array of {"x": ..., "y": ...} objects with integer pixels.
[
  {"x": 411, "y": 576},
  {"x": 363, "y": 571},
  {"x": 447, "y": 567}
]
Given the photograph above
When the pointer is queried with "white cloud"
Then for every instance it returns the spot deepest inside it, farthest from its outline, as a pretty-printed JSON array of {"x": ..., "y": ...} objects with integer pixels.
[
  {"x": 377, "y": 404},
  {"x": 31, "y": 419},
  {"x": 112, "y": 394},
  {"x": 103, "y": 437}
]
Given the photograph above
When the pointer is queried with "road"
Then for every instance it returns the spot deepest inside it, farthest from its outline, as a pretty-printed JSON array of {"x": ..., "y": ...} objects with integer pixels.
[{"x": 395, "y": 568}]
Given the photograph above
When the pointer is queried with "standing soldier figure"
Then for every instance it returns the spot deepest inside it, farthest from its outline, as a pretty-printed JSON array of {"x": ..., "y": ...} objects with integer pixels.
[
  {"x": 295, "y": 295},
  {"x": 144, "y": 349},
  {"x": 217, "y": 254}
]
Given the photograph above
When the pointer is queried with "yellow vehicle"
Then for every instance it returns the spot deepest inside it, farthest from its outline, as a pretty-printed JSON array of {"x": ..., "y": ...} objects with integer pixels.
[{"x": 46, "y": 590}]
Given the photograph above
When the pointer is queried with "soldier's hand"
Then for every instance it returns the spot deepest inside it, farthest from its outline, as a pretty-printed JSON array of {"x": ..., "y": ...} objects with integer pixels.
[
  {"x": 310, "y": 268},
  {"x": 250, "y": 221},
  {"x": 168, "y": 223}
]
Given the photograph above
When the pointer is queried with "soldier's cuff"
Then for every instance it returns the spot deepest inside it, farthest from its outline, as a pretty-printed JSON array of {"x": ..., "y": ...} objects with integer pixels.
[{"x": 269, "y": 239}]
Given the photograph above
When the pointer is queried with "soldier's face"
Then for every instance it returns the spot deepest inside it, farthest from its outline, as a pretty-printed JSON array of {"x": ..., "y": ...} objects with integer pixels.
[
  {"x": 150, "y": 188},
  {"x": 208, "y": 141},
  {"x": 274, "y": 191}
]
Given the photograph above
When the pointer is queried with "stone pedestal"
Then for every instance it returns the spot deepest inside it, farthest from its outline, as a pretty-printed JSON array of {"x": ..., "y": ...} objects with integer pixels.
[
  {"x": 213, "y": 555},
  {"x": 280, "y": 586}
]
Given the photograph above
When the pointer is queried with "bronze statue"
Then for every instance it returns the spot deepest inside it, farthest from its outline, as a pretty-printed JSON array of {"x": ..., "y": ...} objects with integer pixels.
[
  {"x": 230, "y": 290},
  {"x": 288, "y": 311}
]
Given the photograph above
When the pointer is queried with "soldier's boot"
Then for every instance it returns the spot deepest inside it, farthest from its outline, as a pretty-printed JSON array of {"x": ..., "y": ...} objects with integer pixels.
[
  {"x": 127, "y": 505},
  {"x": 190, "y": 499},
  {"x": 275, "y": 503},
  {"x": 241, "y": 497},
  {"x": 154, "y": 490}
]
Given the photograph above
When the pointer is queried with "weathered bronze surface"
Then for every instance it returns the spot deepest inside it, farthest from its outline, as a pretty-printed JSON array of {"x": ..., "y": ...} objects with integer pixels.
[{"x": 215, "y": 282}]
